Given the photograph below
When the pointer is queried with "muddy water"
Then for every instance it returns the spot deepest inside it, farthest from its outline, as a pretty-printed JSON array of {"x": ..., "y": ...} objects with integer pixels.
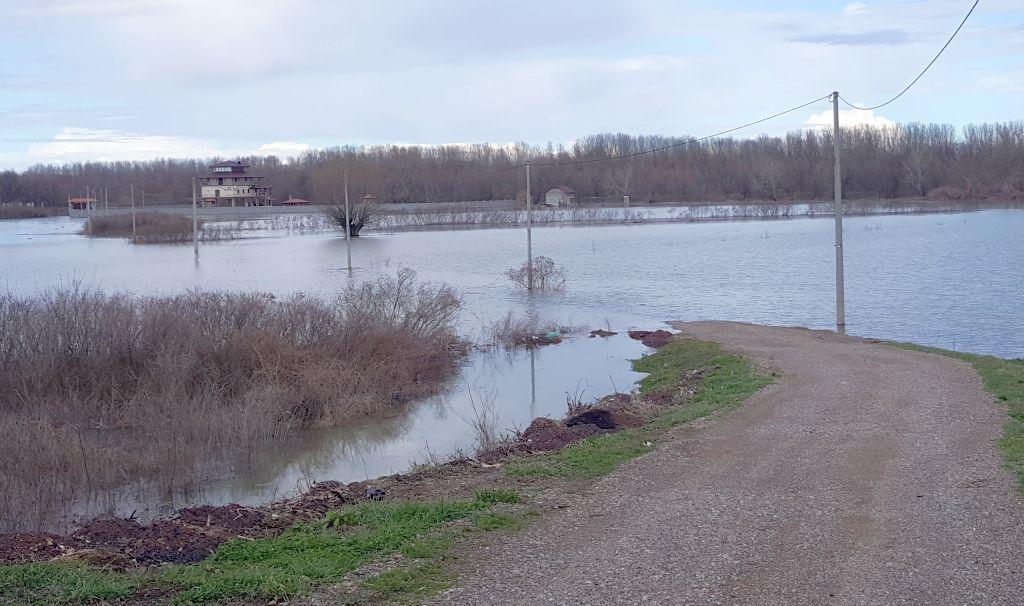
[{"x": 949, "y": 280}]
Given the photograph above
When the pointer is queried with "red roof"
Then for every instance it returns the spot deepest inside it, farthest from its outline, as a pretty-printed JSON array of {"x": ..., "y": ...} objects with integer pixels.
[
  {"x": 294, "y": 202},
  {"x": 229, "y": 163}
]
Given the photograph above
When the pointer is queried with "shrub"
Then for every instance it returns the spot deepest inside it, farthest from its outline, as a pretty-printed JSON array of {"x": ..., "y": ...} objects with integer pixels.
[
  {"x": 545, "y": 275},
  {"x": 103, "y": 388}
]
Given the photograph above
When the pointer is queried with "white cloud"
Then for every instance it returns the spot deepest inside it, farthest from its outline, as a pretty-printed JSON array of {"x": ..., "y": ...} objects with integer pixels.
[
  {"x": 848, "y": 118},
  {"x": 1012, "y": 83},
  {"x": 855, "y": 8},
  {"x": 74, "y": 144},
  {"x": 282, "y": 149}
]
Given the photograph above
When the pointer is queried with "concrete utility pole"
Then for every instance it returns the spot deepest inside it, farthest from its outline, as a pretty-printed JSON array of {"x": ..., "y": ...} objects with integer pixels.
[
  {"x": 348, "y": 227},
  {"x": 195, "y": 221},
  {"x": 131, "y": 194},
  {"x": 529, "y": 231},
  {"x": 837, "y": 211}
]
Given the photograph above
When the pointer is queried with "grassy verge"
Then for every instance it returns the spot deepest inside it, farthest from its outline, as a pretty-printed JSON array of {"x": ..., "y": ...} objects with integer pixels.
[
  {"x": 1005, "y": 380},
  {"x": 418, "y": 536},
  {"x": 291, "y": 564},
  {"x": 726, "y": 382}
]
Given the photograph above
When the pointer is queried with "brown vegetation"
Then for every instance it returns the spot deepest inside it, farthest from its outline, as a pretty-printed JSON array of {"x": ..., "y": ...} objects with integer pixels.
[
  {"x": 99, "y": 389},
  {"x": 18, "y": 211},
  {"x": 525, "y": 331},
  {"x": 359, "y": 216},
  {"x": 540, "y": 274},
  {"x": 154, "y": 228},
  {"x": 909, "y": 160}
]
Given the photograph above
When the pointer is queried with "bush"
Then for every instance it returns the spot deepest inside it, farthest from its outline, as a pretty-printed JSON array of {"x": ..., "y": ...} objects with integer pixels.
[
  {"x": 546, "y": 275},
  {"x": 154, "y": 228},
  {"x": 99, "y": 389}
]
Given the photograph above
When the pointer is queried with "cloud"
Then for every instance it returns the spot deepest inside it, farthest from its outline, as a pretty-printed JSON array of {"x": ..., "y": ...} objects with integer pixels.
[
  {"x": 879, "y": 37},
  {"x": 74, "y": 144},
  {"x": 282, "y": 149},
  {"x": 855, "y": 8},
  {"x": 1010, "y": 83},
  {"x": 848, "y": 118}
]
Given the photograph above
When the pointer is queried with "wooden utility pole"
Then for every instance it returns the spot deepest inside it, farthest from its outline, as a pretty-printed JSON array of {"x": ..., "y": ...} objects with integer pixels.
[
  {"x": 837, "y": 211},
  {"x": 195, "y": 221},
  {"x": 131, "y": 190},
  {"x": 529, "y": 231},
  {"x": 348, "y": 227}
]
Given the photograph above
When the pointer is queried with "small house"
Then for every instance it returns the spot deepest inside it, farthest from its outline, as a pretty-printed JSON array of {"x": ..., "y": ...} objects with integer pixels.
[
  {"x": 560, "y": 196},
  {"x": 295, "y": 202},
  {"x": 81, "y": 203}
]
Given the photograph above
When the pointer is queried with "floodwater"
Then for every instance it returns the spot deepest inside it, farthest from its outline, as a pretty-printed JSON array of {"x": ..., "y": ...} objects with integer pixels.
[{"x": 948, "y": 280}]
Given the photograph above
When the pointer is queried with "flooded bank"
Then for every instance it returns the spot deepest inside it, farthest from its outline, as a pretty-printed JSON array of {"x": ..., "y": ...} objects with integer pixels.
[{"x": 949, "y": 280}]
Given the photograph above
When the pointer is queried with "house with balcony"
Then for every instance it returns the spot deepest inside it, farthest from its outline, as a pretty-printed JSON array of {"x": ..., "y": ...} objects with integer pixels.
[{"x": 228, "y": 184}]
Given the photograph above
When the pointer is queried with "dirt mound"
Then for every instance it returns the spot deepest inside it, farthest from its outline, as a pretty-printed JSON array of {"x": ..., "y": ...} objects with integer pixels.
[
  {"x": 605, "y": 418},
  {"x": 106, "y": 533},
  {"x": 656, "y": 338},
  {"x": 547, "y": 435},
  {"x": 22, "y": 547},
  {"x": 170, "y": 541},
  {"x": 324, "y": 496},
  {"x": 232, "y": 518}
]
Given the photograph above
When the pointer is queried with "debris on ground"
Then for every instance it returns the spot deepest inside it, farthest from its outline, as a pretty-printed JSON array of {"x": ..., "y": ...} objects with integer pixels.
[
  {"x": 655, "y": 338},
  {"x": 600, "y": 332}
]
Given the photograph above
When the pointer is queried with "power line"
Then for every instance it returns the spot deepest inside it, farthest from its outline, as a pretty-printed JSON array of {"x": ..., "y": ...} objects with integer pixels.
[
  {"x": 682, "y": 143},
  {"x": 930, "y": 63}
]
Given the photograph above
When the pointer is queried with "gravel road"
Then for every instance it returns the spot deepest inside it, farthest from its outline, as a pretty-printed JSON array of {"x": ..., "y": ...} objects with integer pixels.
[{"x": 866, "y": 475}]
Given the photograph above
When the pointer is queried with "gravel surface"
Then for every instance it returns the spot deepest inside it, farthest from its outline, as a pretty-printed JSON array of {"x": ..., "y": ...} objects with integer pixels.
[{"x": 866, "y": 475}]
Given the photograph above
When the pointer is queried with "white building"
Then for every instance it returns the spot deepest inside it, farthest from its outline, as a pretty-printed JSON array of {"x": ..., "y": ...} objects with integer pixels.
[
  {"x": 560, "y": 196},
  {"x": 230, "y": 185}
]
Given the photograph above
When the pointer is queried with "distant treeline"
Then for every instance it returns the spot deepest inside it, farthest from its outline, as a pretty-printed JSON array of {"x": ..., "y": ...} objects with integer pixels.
[{"x": 913, "y": 160}]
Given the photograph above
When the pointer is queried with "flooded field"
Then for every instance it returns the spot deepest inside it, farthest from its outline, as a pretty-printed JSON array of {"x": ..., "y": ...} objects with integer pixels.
[{"x": 949, "y": 280}]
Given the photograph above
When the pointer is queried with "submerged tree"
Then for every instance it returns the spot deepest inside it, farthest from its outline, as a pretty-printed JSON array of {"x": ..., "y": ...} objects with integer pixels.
[{"x": 359, "y": 215}]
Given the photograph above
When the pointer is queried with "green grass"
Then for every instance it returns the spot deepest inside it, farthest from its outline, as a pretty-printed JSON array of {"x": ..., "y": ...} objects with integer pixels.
[
  {"x": 46, "y": 583},
  {"x": 419, "y": 581},
  {"x": 290, "y": 564},
  {"x": 489, "y": 521},
  {"x": 1005, "y": 380},
  {"x": 728, "y": 382}
]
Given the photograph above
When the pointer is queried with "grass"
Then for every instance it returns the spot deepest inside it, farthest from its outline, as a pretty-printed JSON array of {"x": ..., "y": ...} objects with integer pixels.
[
  {"x": 1005, "y": 380},
  {"x": 291, "y": 564},
  {"x": 57, "y": 584},
  {"x": 728, "y": 381},
  {"x": 419, "y": 581}
]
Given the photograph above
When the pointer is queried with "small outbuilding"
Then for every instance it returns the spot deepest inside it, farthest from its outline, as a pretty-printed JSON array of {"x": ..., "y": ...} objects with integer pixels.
[
  {"x": 295, "y": 202},
  {"x": 560, "y": 196}
]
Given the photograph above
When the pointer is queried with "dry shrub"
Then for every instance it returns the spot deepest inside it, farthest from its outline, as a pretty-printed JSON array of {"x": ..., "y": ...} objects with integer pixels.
[
  {"x": 155, "y": 228},
  {"x": 17, "y": 211},
  {"x": 522, "y": 331},
  {"x": 103, "y": 389},
  {"x": 546, "y": 275}
]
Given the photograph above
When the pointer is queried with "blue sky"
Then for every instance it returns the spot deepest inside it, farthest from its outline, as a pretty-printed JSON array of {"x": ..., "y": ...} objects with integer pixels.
[{"x": 135, "y": 79}]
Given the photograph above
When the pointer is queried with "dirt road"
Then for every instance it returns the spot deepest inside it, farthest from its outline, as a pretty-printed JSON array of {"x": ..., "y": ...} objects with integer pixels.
[{"x": 866, "y": 475}]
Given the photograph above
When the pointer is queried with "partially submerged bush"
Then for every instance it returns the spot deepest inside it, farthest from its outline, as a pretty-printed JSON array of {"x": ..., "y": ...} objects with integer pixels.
[
  {"x": 543, "y": 273},
  {"x": 101, "y": 389},
  {"x": 18, "y": 211},
  {"x": 524, "y": 331},
  {"x": 359, "y": 216},
  {"x": 154, "y": 228}
]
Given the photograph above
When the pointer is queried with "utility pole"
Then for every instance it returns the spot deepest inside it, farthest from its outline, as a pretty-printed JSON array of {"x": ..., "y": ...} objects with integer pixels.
[
  {"x": 529, "y": 231},
  {"x": 837, "y": 211},
  {"x": 348, "y": 227},
  {"x": 131, "y": 190},
  {"x": 195, "y": 221}
]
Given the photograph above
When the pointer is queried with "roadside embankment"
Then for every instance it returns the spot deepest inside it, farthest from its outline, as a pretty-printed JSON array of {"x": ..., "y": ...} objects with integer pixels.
[{"x": 389, "y": 538}]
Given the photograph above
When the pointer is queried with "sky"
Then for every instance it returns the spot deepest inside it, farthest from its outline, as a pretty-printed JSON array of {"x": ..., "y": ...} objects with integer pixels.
[{"x": 84, "y": 80}]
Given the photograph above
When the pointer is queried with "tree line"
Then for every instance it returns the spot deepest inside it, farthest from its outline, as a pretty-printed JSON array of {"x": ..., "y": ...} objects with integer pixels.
[{"x": 976, "y": 162}]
